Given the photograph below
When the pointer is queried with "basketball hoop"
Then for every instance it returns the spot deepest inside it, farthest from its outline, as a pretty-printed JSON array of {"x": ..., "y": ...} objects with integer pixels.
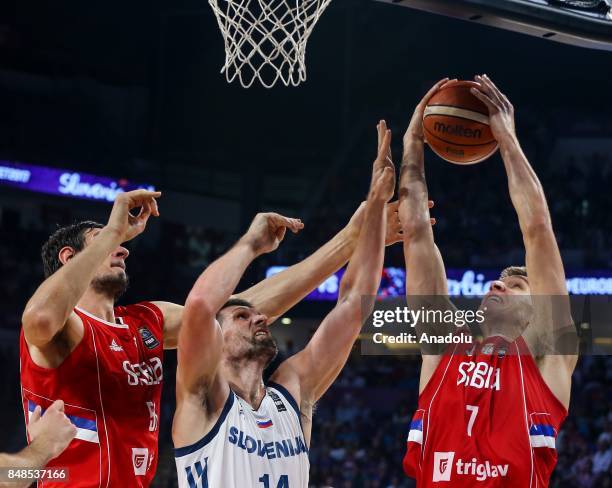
[{"x": 266, "y": 40}]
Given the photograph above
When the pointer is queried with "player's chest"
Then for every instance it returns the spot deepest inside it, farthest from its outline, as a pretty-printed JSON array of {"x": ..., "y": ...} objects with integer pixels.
[
  {"x": 129, "y": 356},
  {"x": 487, "y": 370}
]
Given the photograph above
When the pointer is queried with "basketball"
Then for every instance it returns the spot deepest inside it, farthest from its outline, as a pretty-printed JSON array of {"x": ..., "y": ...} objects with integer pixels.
[{"x": 456, "y": 125}]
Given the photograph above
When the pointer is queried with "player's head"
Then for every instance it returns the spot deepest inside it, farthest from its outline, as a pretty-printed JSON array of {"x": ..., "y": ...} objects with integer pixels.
[
  {"x": 66, "y": 242},
  {"x": 507, "y": 305},
  {"x": 245, "y": 333}
]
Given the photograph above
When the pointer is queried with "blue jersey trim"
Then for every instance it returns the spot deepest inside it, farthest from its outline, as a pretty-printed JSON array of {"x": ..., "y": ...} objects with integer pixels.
[
  {"x": 183, "y": 451},
  {"x": 289, "y": 398}
]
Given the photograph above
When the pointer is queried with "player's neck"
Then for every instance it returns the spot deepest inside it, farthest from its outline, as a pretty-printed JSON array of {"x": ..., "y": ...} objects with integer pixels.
[
  {"x": 509, "y": 334},
  {"x": 98, "y": 305},
  {"x": 246, "y": 380}
]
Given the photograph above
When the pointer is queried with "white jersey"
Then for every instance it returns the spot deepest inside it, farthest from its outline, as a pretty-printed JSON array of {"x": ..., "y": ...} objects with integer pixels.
[{"x": 248, "y": 448}]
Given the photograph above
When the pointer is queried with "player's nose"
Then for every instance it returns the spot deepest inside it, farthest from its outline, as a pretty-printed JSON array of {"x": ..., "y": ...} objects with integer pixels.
[
  {"x": 498, "y": 286},
  {"x": 260, "y": 319},
  {"x": 121, "y": 252}
]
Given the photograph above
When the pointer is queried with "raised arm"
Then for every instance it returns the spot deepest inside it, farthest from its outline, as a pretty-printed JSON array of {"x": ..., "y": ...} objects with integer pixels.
[
  {"x": 320, "y": 362},
  {"x": 552, "y": 318},
  {"x": 200, "y": 341},
  {"x": 51, "y": 307},
  {"x": 424, "y": 265},
  {"x": 426, "y": 283},
  {"x": 277, "y": 294}
]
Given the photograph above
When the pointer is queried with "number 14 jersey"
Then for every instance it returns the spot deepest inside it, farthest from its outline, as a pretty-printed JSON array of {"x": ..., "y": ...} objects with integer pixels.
[{"x": 263, "y": 448}]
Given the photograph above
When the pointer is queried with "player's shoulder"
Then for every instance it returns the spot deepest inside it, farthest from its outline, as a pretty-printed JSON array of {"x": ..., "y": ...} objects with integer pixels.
[
  {"x": 286, "y": 381},
  {"x": 144, "y": 311}
]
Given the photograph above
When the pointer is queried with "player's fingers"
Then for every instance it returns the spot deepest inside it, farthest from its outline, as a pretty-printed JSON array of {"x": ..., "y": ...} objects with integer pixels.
[
  {"x": 433, "y": 90},
  {"x": 491, "y": 84},
  {"x": 296, "y": 225},
  {"x": 145, "y": 212},
  {"x": 385, "y": 147},
  {"x": 279, "y": 221},
  {"x": 430, "y": 203},
  {"x": 432, "y": 221},
  {"x": 484, "y": 99},
  {"x": 155, "y": 207},
  {"x": 36, "y": 414},
  {"x": 448, "y": 83},
  {"x": 137, "y": 197},
  {"x": 280, "y": 233},
  {"x": 57, "y": 405},
  {"x": 491, "y": 90}
]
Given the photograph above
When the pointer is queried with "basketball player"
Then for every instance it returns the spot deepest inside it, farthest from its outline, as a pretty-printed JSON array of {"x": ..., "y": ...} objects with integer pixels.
[
  {"x": 49, "y": 435},
  {"x": 104, "y": 361},
  {"x": 230, "y": 430},
  {"x": 489, "y": 412}
]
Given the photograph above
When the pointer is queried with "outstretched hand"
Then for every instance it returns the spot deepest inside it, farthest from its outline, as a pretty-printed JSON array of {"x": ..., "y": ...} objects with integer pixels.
[
  {"x": 394, "y": 231},
  {"x": 415, "y": 128},
  {"x": 382, "y": 186},
  {"x": 121, "y": 219},
  {"x": 501, "y": 111},
  {"x": 268, "y": 230}
]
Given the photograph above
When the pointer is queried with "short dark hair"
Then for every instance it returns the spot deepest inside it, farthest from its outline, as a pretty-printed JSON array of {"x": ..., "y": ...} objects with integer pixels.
[
  {"x": 69, "y": 236},
  {"x": 513, "y": 271},
  {"x": 234, "y": 302}
]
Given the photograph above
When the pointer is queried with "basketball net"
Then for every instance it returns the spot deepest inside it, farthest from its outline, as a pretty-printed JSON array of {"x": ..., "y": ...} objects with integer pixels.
[{"x": 265, "y": 40}]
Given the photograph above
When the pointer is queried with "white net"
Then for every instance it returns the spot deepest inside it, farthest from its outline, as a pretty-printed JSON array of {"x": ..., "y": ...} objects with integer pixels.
[{"x": 266, "y": 40}]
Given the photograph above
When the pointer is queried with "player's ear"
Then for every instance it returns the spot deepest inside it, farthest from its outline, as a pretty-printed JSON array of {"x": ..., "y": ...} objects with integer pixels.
[{"x": 66, "y": 253}]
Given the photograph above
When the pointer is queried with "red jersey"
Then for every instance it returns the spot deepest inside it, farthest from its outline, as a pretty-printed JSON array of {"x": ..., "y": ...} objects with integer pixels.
[
  {"x": 486, "y": 418},
  {"x": 111, "y": 386}
]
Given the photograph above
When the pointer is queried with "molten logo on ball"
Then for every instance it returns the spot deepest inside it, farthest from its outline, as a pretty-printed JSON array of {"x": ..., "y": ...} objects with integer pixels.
[{"x": 457, "y": 130}]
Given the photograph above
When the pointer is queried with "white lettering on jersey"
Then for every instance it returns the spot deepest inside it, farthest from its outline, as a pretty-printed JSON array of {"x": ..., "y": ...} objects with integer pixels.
[
  {"x": 153, "y": 420},
  {"x": 145, "y": 373},
  {"x": 443, "y": 468},
  {"x": 479, "y": 375}
]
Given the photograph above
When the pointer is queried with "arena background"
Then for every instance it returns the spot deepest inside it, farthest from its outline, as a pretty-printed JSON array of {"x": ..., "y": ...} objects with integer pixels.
[{"x": 132, "y": 90}]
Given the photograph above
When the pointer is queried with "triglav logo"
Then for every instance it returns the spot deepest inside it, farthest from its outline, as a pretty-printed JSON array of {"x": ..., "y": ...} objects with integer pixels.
[
  {"x": 140, "y": 457},
  {"x": 443, "y": 466}
]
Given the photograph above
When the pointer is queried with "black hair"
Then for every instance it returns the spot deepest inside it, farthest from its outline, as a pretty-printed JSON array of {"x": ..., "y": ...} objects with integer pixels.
[
  {"x": 513, "y": 271},
  {"x": 69, "y": 236},
  {"x": 234, "y": 302}
]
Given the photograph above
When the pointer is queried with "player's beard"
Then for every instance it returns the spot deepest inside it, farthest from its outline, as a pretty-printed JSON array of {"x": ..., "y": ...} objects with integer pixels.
[
  {"x": 263, "y": 349},
  {"x": 111, "y": 285}
]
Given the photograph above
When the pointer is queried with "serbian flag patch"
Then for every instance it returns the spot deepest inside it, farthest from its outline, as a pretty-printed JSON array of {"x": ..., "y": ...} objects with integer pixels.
[
  {"x": 415, "y": 434},
  {"x": 83, "y": 420},
  {"x": 541, "y": 432}
]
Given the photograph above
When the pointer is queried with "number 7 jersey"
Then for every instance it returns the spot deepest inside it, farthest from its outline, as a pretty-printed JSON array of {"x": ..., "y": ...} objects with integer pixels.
[{"x": 486, "y": 418}]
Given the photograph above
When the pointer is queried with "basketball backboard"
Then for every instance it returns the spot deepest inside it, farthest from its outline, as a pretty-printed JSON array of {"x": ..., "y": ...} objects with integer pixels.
[{"x": 541, "y": 18}]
